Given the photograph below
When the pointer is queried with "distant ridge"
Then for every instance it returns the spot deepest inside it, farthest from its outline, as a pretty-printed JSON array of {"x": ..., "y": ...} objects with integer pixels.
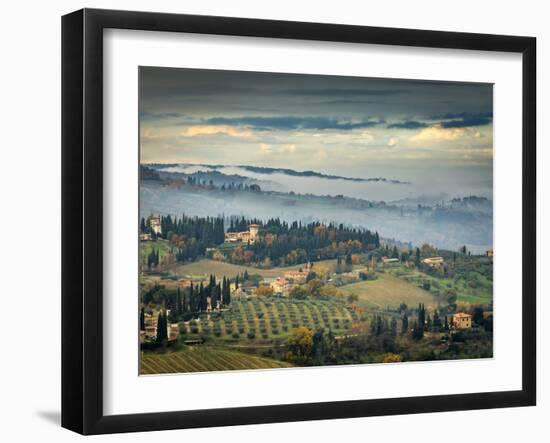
[{"x": 291, "y": 172}]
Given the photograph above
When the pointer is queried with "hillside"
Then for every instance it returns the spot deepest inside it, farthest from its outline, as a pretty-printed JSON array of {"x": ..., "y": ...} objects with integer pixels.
[
  {"x": 203, "y": 359},
  {"x": 221, "y": 269},
  {"x": 388, "y": 291}
]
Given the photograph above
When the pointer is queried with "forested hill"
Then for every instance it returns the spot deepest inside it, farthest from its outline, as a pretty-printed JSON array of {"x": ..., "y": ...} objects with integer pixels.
[{"x": 279, "y": 243}]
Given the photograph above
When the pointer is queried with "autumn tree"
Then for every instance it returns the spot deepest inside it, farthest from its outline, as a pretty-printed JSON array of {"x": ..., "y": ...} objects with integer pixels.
[
  {"x": 390, "y": 357},
  {"x": 300, "y": 345},
  {"x": 264, "y": 291}
]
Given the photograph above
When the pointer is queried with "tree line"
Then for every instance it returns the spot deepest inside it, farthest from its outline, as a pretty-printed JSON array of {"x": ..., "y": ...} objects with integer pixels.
[
  {"x": 190, "y": 300},
  {"x": 282, "y": 243}
]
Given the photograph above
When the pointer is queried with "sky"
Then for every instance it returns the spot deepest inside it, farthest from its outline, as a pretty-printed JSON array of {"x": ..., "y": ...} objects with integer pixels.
[{"x": 350, "y": 126}]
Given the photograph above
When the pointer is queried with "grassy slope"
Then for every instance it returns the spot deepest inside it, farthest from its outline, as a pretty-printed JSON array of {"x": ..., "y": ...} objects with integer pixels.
[
  {"x": 467, "y": 295},
  {"x": 145, "y": 248},
  {"x": 220, "y": 269},
  {"x": 202, "y": 359},
  {"x": 387, "y": 290}
]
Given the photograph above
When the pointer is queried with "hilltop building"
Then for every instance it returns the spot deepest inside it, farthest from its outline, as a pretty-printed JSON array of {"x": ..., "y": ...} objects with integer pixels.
[
  {"x": 156, "y": 226},
  {"x": 461, "y": 320},
  {"x": 433, "y": 261},
  {"x": 249, "y": 236}
]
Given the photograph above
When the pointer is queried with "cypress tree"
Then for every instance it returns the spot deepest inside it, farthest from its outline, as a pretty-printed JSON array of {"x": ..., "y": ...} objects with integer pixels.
[
  {"x": 161, "y": 328},
  {"x": 405, "y": 325},
  {"x": 179, "y": 308},
  {"x": 142, "y": 319},
  {"x": 437, "y": 321},
  {"x": 393, "y": 327}
]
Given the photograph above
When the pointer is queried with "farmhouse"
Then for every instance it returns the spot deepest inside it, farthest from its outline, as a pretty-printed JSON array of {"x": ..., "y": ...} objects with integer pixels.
[
  {"x": 150, "y": 326},
  {"x": 461, "y": 320},
  {"x": 173, "y": 332},
  {"x": 150, "y": 333},
  {"x": 386, "y": 261},
  {"x": 249, "y": 236},
  {"x": 297, "y": 277},
  {"x": 282, "y": 286},
  {"x": 433, "y": 261},
  {"x": 349, "y": 277}
]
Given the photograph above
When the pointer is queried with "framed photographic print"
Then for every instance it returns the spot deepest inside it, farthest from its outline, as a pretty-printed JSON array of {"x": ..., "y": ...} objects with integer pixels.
[{"x": 269, "y": 221}]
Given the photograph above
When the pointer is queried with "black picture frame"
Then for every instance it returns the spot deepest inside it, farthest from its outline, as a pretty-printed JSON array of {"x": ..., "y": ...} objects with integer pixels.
[{"x": 82, "y": 218}]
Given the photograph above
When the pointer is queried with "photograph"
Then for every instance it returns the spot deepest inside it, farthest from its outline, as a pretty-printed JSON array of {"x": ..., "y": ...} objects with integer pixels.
[{"x": 291, "y": 220}]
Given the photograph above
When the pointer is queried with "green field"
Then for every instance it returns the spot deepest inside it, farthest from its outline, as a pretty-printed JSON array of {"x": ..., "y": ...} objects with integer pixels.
[
  {"x": 145, "y": 247},
  {"x": 481, "y": 294},
  {"x": 387, "y": 291},
  {"x": 203, "y": 358}
]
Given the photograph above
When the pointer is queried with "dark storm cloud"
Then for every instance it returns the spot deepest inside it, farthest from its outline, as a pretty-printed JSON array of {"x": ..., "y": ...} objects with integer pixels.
[
  {"x": 160, "y": 115},
  {"x": 328, "y": 92},
  {"x": 409, "y": 124},
  {"x": 451, "y": 115},
  {"x": 464, "y": 119},
  {"x": 293, "y": 123},
  {"x": 466, "y": 122},
  {"x": 202, "y": 94},
  {"x": 447, "y": 121}
]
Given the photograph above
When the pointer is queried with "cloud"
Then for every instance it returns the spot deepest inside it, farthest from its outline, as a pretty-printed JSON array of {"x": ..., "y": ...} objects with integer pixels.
[
  {"x": 409, "y": 124},
  {"x": 448, "y": 121},
  {"x": 342, "y": 92},
  {"x": 393, "y": 141},
  {"x": 287, "y": 148},
  {"x": 293, "y": 123},
  {"x": 464, "y": 119},
  {"x": 466, "y": 122},
  {"x": 453, "y": 115},
  {"x": 232, "y": 131},
  {"x": 367, "y": 137},
  {"x": 146, "y": 115},
  {"x": 438, "y": 133}
]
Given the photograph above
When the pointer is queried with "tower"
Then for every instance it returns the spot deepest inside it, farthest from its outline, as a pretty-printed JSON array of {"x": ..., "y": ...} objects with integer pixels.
[
  {"x": 155, "y": 224},
  {"x": 253, "y": 229}
]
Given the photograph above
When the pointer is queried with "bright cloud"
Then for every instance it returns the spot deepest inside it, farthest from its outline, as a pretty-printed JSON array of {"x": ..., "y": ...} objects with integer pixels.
[
  {"x": 264, "y": 147},
  {"x": 393, "y": 141},
  {"x": 232, "y": 131},
  {"x": 437, "y": 133},
  {"x": 367, "y": 137}
]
